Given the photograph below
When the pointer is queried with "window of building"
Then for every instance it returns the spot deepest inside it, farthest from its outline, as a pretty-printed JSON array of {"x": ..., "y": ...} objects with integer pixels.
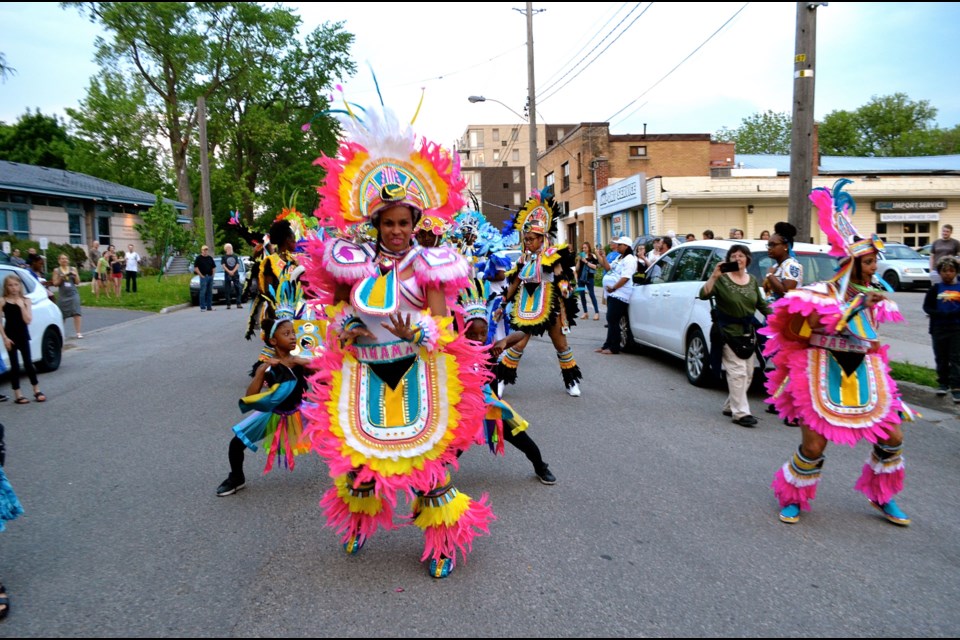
[
  {"x": 560, "y": 134},
  {"x": 75, "y": 221},
  {"x": 638, "y": 152},
  {"x": 495, "y": 134},
  {"x": 514, "y": 134},
  {"x": 496, "y": 155},
  {"x": 516, "y": 176},
  {"x": 103, "y": 230},
  {"x": 15, "y": 222},
  {"x": 515, "y": 155},
  {"x": 912, "y": 234},
  {"x": 579, "y": 168},
  {"x": 480, "y": 162},
  {"x": 476, "y": 138},
  {"x": 548, "y": 180},
  {"x": 516, "y": 199},
  {"x": 565, "y": 171}
]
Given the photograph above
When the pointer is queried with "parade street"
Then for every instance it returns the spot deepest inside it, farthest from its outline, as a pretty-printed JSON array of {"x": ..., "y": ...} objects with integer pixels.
[{"x": 662, "y": 522}]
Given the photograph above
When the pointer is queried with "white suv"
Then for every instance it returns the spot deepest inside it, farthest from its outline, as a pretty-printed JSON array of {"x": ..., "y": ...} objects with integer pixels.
[
  {"x": 666, "y": 313},
  {"x": 46, "y": 329}
]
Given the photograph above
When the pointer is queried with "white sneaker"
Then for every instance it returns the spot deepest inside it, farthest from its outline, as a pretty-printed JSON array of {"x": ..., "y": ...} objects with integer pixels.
[{"x": 574, "y": 390}]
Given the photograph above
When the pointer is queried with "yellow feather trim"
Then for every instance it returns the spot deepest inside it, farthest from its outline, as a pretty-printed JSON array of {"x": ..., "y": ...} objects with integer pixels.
[
  {"x": 371, "y": 505},
  {"x": 446, "y": 515}
]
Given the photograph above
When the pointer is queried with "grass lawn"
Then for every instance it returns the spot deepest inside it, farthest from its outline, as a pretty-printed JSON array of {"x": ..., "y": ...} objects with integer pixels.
[
  {"x": 913, "y": 373},
  {"x": 153, "y": 294}
]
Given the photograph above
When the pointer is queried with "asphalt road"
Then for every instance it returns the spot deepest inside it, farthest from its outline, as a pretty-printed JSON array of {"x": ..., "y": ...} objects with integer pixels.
[{"x": 662, "y": 522}]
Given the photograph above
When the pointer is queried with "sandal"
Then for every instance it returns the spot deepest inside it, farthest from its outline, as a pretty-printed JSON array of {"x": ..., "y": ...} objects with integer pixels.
[
  {"x": 39, "y": 397},
  {"x": 21, "y": 400},
  {"x": 4, "y": 602}
]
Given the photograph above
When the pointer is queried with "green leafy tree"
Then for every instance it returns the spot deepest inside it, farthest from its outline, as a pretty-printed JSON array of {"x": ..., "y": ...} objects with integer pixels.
[
  {"x": 161, "y": 232},
  {"x": 5, "y": 69},
  {"x": 35, "y": 139},
  {"x": 761, "y": 133},
  {"x": 887, "y": 126},
  {"x": 115, "y": 135}
]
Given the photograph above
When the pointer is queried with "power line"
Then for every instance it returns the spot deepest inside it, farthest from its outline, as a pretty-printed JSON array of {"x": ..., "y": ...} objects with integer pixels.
[
  {"x": 627, "y": 28},
  {"x": 444, "y": 76},
  {"x": 585, "y": 45},
  {"x": 690, "y": 55}
]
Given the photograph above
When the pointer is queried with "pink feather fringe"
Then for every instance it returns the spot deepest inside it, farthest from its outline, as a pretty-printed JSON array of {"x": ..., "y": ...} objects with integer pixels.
[
  {"x": 822, "y": 198},
  {"x": 880, "y": 487},
  {"x": 346, "y": 523},
  {"x": 471, "y": 407},
  {"x": 445, "y": 540},
  {"x": 789, "y": 494}
]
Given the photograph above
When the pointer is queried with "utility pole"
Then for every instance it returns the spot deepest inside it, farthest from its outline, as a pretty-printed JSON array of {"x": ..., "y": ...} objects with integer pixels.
[
  {"x": 801, "y": 141},
  {"x": 531, "y": 96},
  {"x": 205, "y": 175}
]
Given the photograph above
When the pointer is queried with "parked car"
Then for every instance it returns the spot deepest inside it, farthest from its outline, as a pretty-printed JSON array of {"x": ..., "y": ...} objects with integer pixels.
[
  {"x": 903, "y": 267},
  {"x": 666, "y": 314},
  {"x": 218, "y": 293},
  {"x": 926, "y": 250},
  {"x": 46, "y": 328}
]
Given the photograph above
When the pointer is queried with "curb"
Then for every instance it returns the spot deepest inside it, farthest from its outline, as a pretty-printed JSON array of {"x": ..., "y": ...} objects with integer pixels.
[
  {"x": 922, "y": 396},
  {"x": 176, "y": 307}
]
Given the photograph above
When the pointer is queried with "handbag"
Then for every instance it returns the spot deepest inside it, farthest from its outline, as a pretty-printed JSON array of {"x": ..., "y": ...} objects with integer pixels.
[{"x": 743, "y": 346}]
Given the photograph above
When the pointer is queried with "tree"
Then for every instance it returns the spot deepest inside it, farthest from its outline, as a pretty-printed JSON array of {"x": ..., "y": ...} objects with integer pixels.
[
  {"x": 114, "y": 135},
  {"x": 35, "y": 139},
  {"x": 887, "y": 126},
  {"x": 184, "y": 50},
  {"x": 5, "y": 69},
  {"x": 762, "y": 133},
  {"x": 160, "y": 231}
]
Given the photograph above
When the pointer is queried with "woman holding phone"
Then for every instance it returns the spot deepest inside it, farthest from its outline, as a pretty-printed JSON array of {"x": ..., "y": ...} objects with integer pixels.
[{"x": 738, "y": 297}]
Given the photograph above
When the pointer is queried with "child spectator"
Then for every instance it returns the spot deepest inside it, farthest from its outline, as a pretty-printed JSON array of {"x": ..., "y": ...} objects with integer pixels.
[{"x": 942, "y": 304}]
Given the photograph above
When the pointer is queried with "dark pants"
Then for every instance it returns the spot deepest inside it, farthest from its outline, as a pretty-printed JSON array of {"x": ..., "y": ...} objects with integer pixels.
[
  {"x": 235, "y": 456},
  {"x": 23, "y": 347},
  {"x": 616, "y": 309},
  {"x": 131, "y": 276},
  {"x": 525, "y": 443},
  {"x": 946, "y": 353},
  {"x": 231, "y": 290}
]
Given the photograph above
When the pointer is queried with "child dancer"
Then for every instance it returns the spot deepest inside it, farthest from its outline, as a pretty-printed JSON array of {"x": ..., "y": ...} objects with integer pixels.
[
  {"x": 502, "y": 422},
  {"x": 276, "y": 418}
]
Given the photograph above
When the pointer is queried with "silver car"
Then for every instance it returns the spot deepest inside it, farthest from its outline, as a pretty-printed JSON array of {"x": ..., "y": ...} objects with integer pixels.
[
  {"x": 218, "y": 291},
  {"x": 903, "y": 267}
]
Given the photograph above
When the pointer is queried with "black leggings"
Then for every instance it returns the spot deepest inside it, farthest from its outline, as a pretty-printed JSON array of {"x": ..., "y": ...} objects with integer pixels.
[
  {"x": 23, "y": 346},
  {"x": 235, "y": 455},
  {"x": 524, "y": 443}
]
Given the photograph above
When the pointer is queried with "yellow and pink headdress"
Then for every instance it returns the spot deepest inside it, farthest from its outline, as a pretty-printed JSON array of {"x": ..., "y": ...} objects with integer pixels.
[
  {"x": 381, "y": 163},
  {"x": 835, "y": 210}
]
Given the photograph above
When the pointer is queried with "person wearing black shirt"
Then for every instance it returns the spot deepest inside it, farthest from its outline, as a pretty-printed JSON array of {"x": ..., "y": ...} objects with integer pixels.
[
  {"x": 204, "y": 266},
  {"x": 231, "y": 276}
]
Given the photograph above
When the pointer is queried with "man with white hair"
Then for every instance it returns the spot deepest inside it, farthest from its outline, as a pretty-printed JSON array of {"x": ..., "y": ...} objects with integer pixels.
[
  {"x": 231, "y": 276},
  {"x": 618, "y": 285}
]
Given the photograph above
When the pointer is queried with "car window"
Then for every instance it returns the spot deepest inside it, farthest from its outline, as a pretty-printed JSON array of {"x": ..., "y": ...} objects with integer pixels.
[
  {"x": 28, "y": 282},
  {"x": 816, "y": 266},
  {"x": 661, "y": 269},
  {"x": 691, "y": 264},
  {"x": 896, "y": 252}
]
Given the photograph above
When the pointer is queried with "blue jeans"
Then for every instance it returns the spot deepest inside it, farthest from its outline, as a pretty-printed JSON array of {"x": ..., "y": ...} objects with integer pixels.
[
  {"x": 206, "y": 292},
  {"x": 587, "y": 286}
]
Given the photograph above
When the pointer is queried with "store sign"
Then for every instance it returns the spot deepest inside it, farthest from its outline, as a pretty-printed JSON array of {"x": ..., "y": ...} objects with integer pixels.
[
  {"x": 620, "y": 196},
  {"x": 909, "y": 205},
  {"x": 909, "y": 217},
  {"x": 616, "y": 225}
]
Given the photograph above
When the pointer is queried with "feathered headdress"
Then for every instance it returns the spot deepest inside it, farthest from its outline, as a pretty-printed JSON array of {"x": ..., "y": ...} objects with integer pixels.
[
  {"x": 379, "y": 164},
  {"x": 835, "y": 212},
  {"x": 537, "y": 216},
  {"x": 473, "y": 302}
]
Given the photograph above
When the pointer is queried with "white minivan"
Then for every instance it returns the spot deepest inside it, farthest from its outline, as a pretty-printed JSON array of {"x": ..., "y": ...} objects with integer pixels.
[{"x": 46, "y": 329}]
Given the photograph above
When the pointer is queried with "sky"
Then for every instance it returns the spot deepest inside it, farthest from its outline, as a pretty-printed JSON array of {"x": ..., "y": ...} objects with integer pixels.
[{"x": 670, "y": 67}]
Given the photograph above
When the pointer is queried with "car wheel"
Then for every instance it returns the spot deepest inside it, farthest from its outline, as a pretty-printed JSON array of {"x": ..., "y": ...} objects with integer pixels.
[
  {"x": 626, "y": 337},
  {"x": 51, "y": 349},
  {"x": 698, "y": 359},
  {"x": 893, "y": 280}
]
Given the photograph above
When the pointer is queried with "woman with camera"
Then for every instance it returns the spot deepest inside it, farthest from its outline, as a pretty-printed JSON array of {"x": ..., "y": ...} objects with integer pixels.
[
  {"x": 737, "y": 298},
  {"x": 586, "y": 267}
]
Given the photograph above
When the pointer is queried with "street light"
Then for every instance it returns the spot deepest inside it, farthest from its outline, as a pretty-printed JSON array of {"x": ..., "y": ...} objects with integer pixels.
[{"x": 533, "y": 136}]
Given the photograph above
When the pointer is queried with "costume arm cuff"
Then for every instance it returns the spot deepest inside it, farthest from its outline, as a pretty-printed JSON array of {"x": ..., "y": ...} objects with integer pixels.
[{"x": 426, "y": 332}]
